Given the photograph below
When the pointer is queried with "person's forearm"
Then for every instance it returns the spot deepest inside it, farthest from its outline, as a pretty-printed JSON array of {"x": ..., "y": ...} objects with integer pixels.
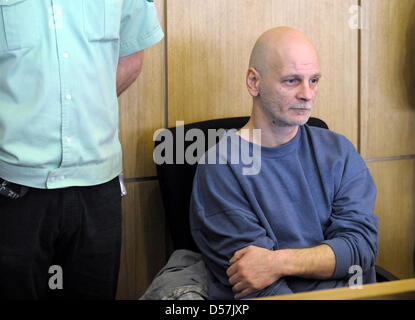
[
  {"x": 128, "y": 70},
  {"x": 317, "y": 262},
  {"x": 254, "y": 268}
]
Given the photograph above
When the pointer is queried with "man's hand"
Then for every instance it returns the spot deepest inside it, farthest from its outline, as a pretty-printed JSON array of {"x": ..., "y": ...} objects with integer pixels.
[{"x": 253, "y": 268}]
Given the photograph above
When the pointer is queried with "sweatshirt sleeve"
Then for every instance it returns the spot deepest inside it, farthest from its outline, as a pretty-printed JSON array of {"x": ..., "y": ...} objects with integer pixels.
[
  {"x": 352, "y": 229},
  {"x": 222, "y": 222}
]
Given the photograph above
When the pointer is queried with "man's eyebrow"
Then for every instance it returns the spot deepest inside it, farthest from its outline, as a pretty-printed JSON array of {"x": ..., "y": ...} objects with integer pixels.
[{"x": 295, "y": 75}]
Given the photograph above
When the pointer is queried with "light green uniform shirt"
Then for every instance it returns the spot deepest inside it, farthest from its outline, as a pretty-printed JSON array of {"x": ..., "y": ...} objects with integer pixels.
[{"x": 58, "y": 100}]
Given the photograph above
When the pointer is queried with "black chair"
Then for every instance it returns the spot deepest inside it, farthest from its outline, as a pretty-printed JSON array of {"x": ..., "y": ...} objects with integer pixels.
[{"x": 176, "y": 180}]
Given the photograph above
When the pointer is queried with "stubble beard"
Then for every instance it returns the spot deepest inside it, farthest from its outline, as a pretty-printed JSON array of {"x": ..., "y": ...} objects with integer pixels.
[{"x": 280, "y": 121}]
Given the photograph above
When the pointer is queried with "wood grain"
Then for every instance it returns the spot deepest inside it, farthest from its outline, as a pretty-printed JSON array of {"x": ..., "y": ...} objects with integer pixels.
[
  {"x": 395, "y": 206},
  {"x": 387, "y": 78},
  {"x": 144, "y": 239},
  {"x": 142, "y": 110},
  {"x": 403, "y": 289},
  {"x": 208, "y": 47},
  {"x": 209, "y": 43}
]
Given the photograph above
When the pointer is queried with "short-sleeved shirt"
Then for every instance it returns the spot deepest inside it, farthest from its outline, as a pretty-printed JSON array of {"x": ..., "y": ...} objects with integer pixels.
[{"x": 58, "y": 98}]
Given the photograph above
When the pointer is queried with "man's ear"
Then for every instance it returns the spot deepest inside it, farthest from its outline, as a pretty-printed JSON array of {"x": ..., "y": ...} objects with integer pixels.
[{"x": 252, "y": 81}]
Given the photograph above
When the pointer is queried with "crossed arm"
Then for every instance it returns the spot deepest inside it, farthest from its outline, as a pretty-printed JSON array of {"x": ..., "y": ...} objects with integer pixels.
[
  {"x": 254, "y": 268},
  {"x": 258, "y": 266}
]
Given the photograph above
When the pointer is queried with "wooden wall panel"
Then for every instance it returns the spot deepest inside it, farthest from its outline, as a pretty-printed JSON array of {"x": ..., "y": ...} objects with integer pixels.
[
  {"x": 209, "y": 44},
  {"x": 395, "y": 206},
  {"x": 142, "y": 110},
  {"x": 144, "y": 239},
  {"x": 388, "y": 80}
]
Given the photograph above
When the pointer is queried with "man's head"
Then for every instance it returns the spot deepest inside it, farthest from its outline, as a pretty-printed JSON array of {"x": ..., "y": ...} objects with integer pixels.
[{"x": 283, "y": 74}]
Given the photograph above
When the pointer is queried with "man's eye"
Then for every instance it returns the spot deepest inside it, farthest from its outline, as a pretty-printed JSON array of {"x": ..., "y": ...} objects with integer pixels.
[
  {"x": 291, "y": 81},
  {"x": 314, "y": 81}
]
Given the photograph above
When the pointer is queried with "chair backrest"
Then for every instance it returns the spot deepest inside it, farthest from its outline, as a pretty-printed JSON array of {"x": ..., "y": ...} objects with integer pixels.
[{"x": 176, "y": 178}]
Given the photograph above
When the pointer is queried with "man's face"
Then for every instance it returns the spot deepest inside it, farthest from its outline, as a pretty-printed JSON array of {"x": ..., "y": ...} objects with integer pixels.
[{"x": 288, "y": 92}]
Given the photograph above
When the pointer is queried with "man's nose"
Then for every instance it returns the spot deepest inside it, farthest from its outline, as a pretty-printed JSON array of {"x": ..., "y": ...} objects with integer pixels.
[{"x": 305, "y": 92}]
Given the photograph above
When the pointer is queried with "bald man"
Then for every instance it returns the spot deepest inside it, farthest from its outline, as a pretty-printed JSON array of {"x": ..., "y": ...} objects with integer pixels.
[{"x": 305, "y": 221}]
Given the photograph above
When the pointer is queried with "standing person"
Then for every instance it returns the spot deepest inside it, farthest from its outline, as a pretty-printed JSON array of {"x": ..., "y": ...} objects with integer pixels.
[
  {"x": 62, "y": 65},
  {"x": 305, "y": 220}
]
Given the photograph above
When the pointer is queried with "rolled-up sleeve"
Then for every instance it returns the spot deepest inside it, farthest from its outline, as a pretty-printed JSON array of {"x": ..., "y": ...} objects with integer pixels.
[{"x": 140, "y": 27}]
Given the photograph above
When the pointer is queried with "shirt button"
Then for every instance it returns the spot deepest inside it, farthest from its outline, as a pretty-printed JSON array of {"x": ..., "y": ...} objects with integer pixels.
[
  {"x": 62, "y": 177},
  {"x": 68, "y": 140},
  {"x": 66, "y": 55},
  {"x": 52, "y": 179},
  {"x": 68, "y": 97}
]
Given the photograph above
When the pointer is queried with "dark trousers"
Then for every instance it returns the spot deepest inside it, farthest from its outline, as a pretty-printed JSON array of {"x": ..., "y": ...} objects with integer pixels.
[{"x": 62, "y": 243}]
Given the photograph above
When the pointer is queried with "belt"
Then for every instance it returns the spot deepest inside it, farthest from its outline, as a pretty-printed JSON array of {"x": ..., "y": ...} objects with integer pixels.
[{"x": 12, "y": 190}]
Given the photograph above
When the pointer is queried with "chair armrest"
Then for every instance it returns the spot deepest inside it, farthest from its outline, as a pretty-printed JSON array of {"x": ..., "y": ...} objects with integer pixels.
[{"x": 383, "y": 275}]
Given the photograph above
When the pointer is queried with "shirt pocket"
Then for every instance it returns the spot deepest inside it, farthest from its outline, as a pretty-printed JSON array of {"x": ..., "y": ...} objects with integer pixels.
[
  {"x": 102, "y": 19},
  {"x": 19, "y": 27}
]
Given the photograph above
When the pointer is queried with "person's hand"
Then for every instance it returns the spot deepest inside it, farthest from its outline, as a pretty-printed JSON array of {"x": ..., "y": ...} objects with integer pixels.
[{"x": 253, "y": 268}]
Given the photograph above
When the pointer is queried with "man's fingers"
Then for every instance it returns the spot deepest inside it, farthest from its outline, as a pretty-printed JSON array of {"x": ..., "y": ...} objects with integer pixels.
[
  {"x": 234, "y": 279},
  {"x": 231, "y": 270},
  {"x": 239, "y": 287},
  {"x": 244, "y": 293},
  {"x": 234, "y": 258},
  {"x": 237, "y": 255}
]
